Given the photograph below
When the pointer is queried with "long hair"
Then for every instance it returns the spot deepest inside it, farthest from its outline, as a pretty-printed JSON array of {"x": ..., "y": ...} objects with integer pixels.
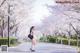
[{"x": 31, "y": 29}]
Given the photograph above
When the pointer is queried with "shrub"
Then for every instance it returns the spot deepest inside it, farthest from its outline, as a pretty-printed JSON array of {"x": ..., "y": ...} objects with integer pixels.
[
  {"x": 65, "y": 41},
  {"x": 4, "y": 41},
  {"x": 58, "y": 41},
  {"x": 64, "y": 36},
  {"x": 74, "y": 37},
  {"x": 13, "y": 40},
  {"x": 79, "y": 44},
  {"x": 51, "y": 39},
  {"x": 73, "y": 42},
  {"x": 43, "y": 39}
]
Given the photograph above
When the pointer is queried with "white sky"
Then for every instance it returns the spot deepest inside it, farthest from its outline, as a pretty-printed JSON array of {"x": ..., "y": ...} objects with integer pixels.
[{"x": 40, "y": 11}]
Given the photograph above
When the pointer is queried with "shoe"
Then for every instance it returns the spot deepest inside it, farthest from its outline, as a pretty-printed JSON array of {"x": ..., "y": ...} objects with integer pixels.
[{"x": 32, "y": 50}]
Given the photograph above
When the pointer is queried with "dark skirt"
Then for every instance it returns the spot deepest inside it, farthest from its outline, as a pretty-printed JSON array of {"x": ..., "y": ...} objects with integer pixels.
[{"x": 30, "y": 36}]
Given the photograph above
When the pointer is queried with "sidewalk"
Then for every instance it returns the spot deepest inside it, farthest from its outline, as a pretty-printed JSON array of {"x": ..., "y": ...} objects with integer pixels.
[{"x": 42, "y": 48}]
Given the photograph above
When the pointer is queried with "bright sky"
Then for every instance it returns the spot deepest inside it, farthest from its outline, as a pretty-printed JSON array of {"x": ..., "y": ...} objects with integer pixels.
[{"x": 40, "y": 11}]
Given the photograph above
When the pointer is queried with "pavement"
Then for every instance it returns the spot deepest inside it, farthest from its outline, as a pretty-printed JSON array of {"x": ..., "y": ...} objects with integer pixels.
[{"x": 42, "y": 48}]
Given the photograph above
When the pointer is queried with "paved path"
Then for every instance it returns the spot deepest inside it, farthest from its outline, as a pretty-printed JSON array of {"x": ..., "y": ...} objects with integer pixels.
[{"x": 42, "y": 48}]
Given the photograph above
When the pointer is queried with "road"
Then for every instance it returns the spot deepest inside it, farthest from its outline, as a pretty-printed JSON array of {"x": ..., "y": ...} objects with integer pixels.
[{"x": 42, "y": 48}]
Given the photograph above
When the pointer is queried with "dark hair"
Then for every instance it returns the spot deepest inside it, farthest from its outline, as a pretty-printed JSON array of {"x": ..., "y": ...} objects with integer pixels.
[{"x": 31, "y": 29}]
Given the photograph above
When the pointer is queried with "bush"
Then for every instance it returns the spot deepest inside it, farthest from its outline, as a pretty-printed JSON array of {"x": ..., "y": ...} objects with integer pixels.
[
  {"x": 13, "y": 40},
  {"x": 43, "y": 39},
  {"x": 79, "y": 44},
  {"x": 48, "y": 39},
  {"x": 73, "y": 42},
  {"x": 4, "y": 41},
  {"x": 65, "y": 41},
  {"x": 51, "y": 39},
  {"x": 64, "y": 36},
  {"x": 58, "y": 41},
  {"x": 74, "y": 37}
]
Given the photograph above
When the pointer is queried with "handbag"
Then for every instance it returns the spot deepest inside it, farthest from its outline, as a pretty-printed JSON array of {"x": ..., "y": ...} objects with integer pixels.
[{"x": 30, "y": 36}]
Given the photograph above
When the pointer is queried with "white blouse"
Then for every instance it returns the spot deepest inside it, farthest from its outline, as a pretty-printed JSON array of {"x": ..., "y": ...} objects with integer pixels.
[{"x": 34, "y": 34}]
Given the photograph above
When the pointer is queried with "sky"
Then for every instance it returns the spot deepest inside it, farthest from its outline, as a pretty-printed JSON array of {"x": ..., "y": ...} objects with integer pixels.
[{"x": 40, "y": 11}]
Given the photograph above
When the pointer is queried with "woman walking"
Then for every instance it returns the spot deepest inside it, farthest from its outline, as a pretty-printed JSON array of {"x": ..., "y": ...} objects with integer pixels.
[{"x": 33, "y": 39}]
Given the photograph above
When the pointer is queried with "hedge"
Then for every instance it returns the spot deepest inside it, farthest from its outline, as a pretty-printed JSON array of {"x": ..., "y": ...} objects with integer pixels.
[
  {"x": 52, "y": 39},
  {"x": 73, "y": 42},
  {"x": 43, "y": 39},
  {"x": 4, "y": 41},
  {"x": 65, "y": 41}
]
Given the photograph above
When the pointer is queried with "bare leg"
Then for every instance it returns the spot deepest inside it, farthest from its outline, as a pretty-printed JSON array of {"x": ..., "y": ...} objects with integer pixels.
[{"x": 33, "y": 44}]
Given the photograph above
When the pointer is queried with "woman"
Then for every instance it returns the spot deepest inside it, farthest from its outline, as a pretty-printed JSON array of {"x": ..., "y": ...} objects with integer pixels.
[{"x": 32, "y": 37}]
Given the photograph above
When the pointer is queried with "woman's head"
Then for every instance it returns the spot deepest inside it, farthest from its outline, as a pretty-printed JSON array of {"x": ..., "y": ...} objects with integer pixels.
[{"x": 32, "y": 28}]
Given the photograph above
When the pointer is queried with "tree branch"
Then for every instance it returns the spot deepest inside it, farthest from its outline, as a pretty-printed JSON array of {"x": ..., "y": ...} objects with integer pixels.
[{"x": 2, "y": 3}]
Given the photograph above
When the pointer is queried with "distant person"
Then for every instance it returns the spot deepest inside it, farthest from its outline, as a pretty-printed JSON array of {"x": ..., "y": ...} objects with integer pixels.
[{"x": 33, "y": 39}]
